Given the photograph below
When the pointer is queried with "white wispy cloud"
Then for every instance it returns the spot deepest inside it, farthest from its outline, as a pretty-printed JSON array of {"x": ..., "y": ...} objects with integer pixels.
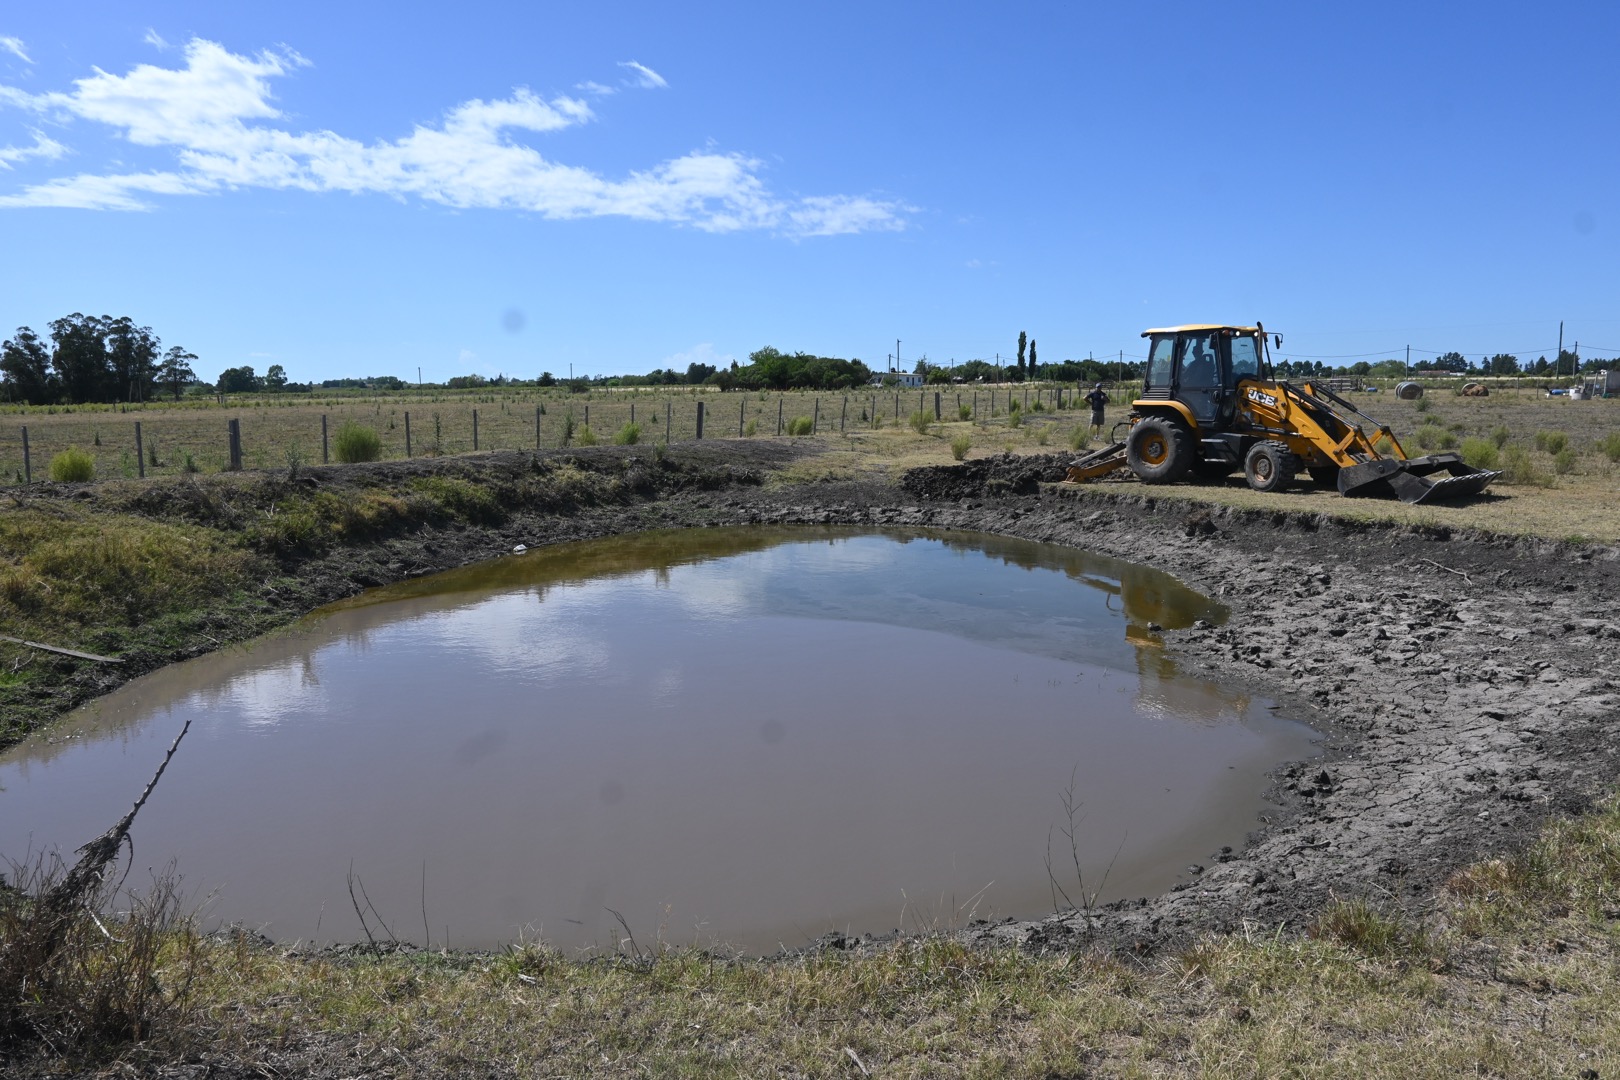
[
  {"x": 645, "y": 76},
  {"x": 14, "y": 46},
  {"x": 595, "y": 89},
  {"x": 217, "y": 114},
  {"x": 155, "y": 39},
  {"x": 702, "y": 353},
  {"x": 44, "y": 147}
]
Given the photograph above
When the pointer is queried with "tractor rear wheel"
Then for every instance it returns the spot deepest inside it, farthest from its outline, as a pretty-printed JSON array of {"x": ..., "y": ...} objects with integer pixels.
[
  {"x": 1269, "y": 466},
  {"x": 1159, "y": 450}
]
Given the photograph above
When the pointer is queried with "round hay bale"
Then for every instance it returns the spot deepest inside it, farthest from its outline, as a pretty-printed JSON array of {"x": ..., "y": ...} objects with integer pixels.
[
  {"x": 1408, "y": 391},
  {"x": 1475, "y": 389}
]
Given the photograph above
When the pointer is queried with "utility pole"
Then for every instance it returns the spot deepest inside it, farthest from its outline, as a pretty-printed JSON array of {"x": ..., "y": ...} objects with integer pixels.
[
  {"x": 1409, "y": 361},
  {"x": 1558, "y": 362},
  {"x": 897, "y": 354}
]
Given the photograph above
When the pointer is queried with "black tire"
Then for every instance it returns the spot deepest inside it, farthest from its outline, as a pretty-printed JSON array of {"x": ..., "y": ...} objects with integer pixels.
[
  {"x": 1325, "y": 476},
  {"x": 1159, "y": 450},
  {"x": 1269, "y": 466}
]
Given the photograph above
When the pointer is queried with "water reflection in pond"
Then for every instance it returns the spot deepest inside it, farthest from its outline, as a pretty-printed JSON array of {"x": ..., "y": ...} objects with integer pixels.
[{"x": 749, "y": 736}]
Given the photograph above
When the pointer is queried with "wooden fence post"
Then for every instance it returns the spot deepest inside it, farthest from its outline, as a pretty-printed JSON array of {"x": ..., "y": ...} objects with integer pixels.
[
  {"x": 669, "y": 409},
  {"x": 587, "y": 414},
  {"x": 234, "y": 431},
  {"x": 815, "y": 417},
  {"x": 28, "y": 463},
  {"x": 844, "y": 415},
  {"x": 779, "y": 416},
  {"x": 475, "y": 430},
  {"x": 408, "y": 434},
  {"x": 741, "y": 407},
  {"x": 140, "y": 453},
  {"x": 938, "y": 413},
  {"x": 632, "y": 412},
  {"x": 325, "y": 457},
  {"x": 537, "y": 409},
  {"x": 700, "y": 420}
]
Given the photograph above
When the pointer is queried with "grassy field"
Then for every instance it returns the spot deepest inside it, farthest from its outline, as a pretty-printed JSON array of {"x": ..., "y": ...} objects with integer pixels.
[{"x": 1562, "y": 457}]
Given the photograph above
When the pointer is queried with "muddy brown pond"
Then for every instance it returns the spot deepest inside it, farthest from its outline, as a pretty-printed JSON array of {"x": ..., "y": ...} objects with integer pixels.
[{"x": 745, "y": 737}]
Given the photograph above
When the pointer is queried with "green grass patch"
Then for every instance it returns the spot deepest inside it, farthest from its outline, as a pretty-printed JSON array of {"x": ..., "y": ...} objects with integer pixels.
[
  {"x": 628, "y": 435},
  {"x": 1480, "y": 453},
  {"x": 801, "y": 425},
  {"x": 73, "y": 466},
  {"x": 356, "y": 442},
  {"x": 960, "y": 446}
]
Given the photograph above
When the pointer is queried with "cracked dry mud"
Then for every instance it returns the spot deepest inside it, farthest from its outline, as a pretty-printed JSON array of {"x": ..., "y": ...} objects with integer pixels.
[{"x": 1463, "y": 683}]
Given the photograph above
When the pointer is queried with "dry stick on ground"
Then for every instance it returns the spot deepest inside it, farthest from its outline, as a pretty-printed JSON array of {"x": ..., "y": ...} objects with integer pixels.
[
  {"x": 70, "y": 892},
  {"x": 1449, "y": 570}
]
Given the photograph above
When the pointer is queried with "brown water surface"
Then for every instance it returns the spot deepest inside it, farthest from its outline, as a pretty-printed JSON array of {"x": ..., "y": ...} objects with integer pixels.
[{"x": 747, "y": 736}]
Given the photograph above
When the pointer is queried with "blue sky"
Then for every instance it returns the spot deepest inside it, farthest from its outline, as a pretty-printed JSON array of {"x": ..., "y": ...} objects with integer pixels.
[{"x": 368, "y": 188}]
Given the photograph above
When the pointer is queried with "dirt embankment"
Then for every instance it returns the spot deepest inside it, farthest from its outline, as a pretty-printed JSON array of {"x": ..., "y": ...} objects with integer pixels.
[{"x": 1462, "y": 681}]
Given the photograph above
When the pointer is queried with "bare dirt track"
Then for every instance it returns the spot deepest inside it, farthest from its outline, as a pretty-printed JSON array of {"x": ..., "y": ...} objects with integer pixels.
[{"x": 1459, "y": 678}]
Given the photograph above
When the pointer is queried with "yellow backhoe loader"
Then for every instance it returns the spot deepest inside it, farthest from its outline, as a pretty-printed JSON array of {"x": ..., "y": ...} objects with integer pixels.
[{"x": 1210, "y": 406}]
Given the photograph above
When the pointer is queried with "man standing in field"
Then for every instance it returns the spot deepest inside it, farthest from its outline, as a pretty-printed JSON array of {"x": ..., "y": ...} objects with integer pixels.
[{"x": 1097, "y": 399}]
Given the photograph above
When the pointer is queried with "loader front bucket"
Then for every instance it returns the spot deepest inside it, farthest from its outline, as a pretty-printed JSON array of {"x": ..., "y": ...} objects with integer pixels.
[
  {"x": 1099, "y": 463},
  {"x": 1416, "y": 480}
]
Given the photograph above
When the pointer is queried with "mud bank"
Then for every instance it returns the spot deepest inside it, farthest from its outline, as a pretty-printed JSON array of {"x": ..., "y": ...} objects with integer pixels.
[{"x": 1460, "y": 680}]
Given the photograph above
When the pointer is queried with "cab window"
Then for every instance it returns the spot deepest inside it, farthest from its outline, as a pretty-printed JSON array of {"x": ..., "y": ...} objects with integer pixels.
[
  {"x": 1245, "y": 359},
  {"x": 1161, "y": 361},
  {"x": 1199, "y": 367}
]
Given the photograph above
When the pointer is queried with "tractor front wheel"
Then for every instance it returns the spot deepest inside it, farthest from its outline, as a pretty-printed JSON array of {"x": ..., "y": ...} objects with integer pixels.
[
  {"x": 1159, "y": 450},
  {"x": 1269, "y": 466}
]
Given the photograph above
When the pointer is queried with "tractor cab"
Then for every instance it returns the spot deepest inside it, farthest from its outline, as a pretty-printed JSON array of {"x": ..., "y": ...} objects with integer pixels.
[{"x": 1195, "y": 371}]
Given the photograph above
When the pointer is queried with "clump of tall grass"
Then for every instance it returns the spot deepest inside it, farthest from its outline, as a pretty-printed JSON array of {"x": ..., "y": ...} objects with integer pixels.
[
  {"x": 1551, "y": 442},
  {"x": 1519, "y": 468},
  {"x": 1080, "y": 438},
  {"x": 1500, "y": 437},
  {"x": 964, "y": 412},
  {"x": 1423, "y": 405},
  {"x": 1480, "y": 453},
  {"x": 356, "y": 442},
  {"x": 628, "y": 435},
  {"x": 1015, "y": 416},
  {"x": 752, "y": 427},
  {"x": 960, "y": 446},
  {"x": 585, "y": 436},
  {"x": 801, "y": 425},
  {"x": 1610, "y": 446},
  {"x": 73, "y": 466},
  {"x": 1564, "y": 461},
  {"x": 921, "y": 421}
]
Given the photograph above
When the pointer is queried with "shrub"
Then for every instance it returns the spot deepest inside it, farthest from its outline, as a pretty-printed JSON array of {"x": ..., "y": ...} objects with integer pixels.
[
  {"x": 921, "y": 422},
  {"x": 73, "y": 466},
  {"x": 585, "y": 436},
  {"x": 1042, "y": 436},
  {"x": 1037, "y": 407},
  {"x": 1423, "y": 404},
  {"x": 1080, "y": 438},
  {"x": 1480, "y": 453},
  {"x": 1427, "y": 437},
  {"x": 190, "y": 464},
  {"x": 1564, "y": 461},
  {"x": 960, "y": 446},
  {"x": 568, "y": 429},
  {"x": 1518, "y": 468},
  {"x": 628, "y": 435},
  {"x": 964, "y": 412},
  {"x": 356, "y": 442},
  {"x": 1014, "y": 417},
  {"x": 1448, "y": 441},
  {"x": 1501, "y": 436},
  {"x": 1550, "y": 442},
  {"x": 800, "y": 425},
  {"x": 1611, "y": 446},
  {"x": 752, "y": 427}
]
